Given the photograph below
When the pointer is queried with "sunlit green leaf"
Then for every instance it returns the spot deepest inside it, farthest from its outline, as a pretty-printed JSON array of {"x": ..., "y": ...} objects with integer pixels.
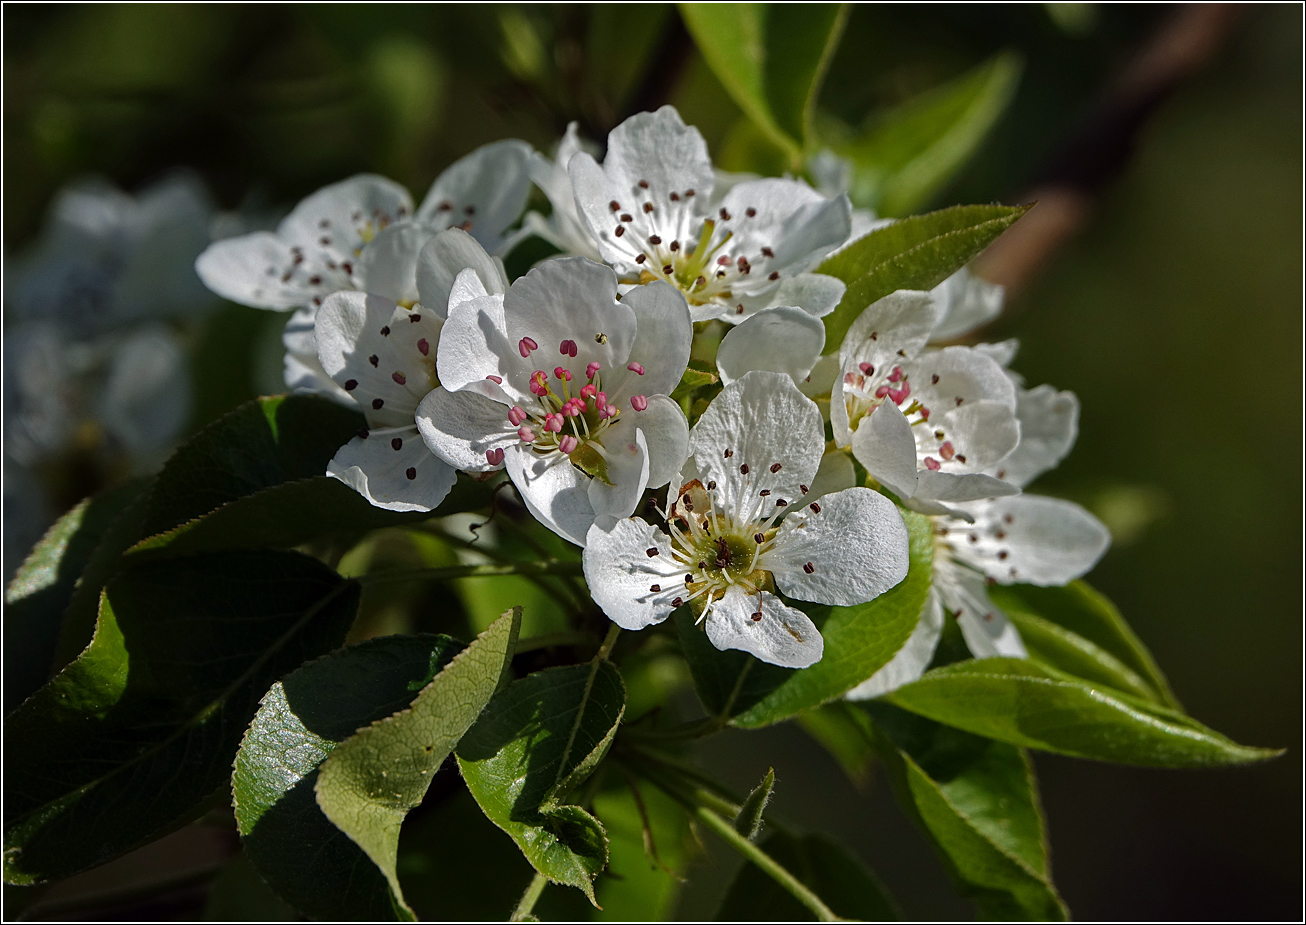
[
  {"x": 371, "y": 780},
  {"x": 1024, "y": 703},
  {"x": 649, "y": 850},
  {"x": 537, "y": 740},
  {"x": 916, "y": 253},
  {"x": 135, "y": 735},
  {"x": 1059, "y": 648},
  {"x": 315, "y": 866}
]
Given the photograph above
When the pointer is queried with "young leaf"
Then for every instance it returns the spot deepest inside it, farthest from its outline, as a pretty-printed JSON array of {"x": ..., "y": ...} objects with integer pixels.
[
  {"x": 372, "y": 779},
  {"x": 1088, "y": 614},
  {"x": 537, "y": 740},
  {"x": 313, "y": 865},
  {"x": 909, "y": 153},
  {"x": 977, "y": 801},
  {"x": 749, "y": 821},
  {"x": 1021, "y": 702},
  {"x": 1074, "y": 655},
  {"x": 858, "y": 640},
  {"x": 916, "y": 253},
  {"x": 39, "y": 594},
  {"x": 132, "y": 738},
  {"x": 840, "y": 878}
]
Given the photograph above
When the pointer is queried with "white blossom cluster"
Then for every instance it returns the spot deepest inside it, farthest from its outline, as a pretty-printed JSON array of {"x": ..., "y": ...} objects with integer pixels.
[{"x": 564, "y": 378}]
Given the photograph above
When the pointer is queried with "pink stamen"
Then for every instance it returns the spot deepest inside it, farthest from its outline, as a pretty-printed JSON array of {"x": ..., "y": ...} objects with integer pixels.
[
  {"x": 600, "y": 399},
  {"x": 497, "y": 380},
  {"x": 866, "y": 368},
  {"x": 568, "y": 444},
  {"x": 947, "y": 450},
  {"x": 587, "y": 391},
  {"x": 925, "y": 413},
  {"x": 527, "y": 435},
  {"x": 882, "y": 391},
  {"x": 639, "y": 402},
  {"x": 609, "y": 411},
  {"x": 933, "y": 464},
  {"x": 553, "y": 422},
  {"x": 897, "y": 396},
  {"x": 850, "y": 378},
  {"x": 526, "y": 345},
  {"x": 567, "y": 348},
  {"x": 539, "y": 383},
  {"x": 560, "y": 373},
  {"x": 495, "y": 456},
  {"x": 636, "y": 368},
  {"x": 516, "y": 415},
  {"x": 896, "y": 375},
  {"x": 591, "y": 370}
]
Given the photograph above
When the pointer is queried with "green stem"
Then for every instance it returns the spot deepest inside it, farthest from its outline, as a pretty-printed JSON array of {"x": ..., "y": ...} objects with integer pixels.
[
  {"x": 796, "y": 888},
  {"x": 547, "y": 567},
  {"x": 608, "y": 642},
  {"x": 575, "y": 598},
  {"x": 529, "y": 898}
]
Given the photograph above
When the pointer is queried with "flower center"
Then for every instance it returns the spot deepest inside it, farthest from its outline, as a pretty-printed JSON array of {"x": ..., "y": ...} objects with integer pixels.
[{"x": 862, "y": 395}]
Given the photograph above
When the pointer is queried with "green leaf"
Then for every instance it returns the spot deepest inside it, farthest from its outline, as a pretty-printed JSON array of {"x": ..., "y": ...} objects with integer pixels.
[
  {"x": 311, "y": 863},
  {"x": 749, "y": 820},
  {"x": 1072, "y": 654},
  {"x": 693, "y": 380},
  {"x": 1024, "y": 703},
  {"x": 134, "y": 736},
  {"x": 537, "y": 740},
  {"x": 649, "y": 848},
  {"x": 839, "y": 877},
  {"x": 859, "y": 641},
  {"x": 40, "y": 592},
  {"x": 916, "y": 253},
  {"x": 908, "y": 154},
  {"x": 371, "y": 781},
  {"x": 1089, "y": 615},
  {"x": 771, "y": 59},
  {"x": 978, "y": 802}
]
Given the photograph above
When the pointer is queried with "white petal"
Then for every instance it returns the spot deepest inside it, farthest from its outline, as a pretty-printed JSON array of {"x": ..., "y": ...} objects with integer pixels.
[
  {"x": 1002, "y": 353},
  {"x": 912, "y": 659},
  {"x": 487, "y": 188},
  {"x": 888, "y": 332},
  {"x": 626, "y": 449},
  {"x": 966, "y": 302},
  {"x": 303, "y": 371},
  {"x": 782, "y": 340},
  {"x": 815, "y": 293},
  {"x": 782, "y": 636},
  {"x": 836, "y": 474},
  {"x": 145, "y": 400},
  {"x": 388, "y": 264},
  {"x": 856, "y": 545},
  {"x": 798, "y": 224},
  {"x": 1049, "y": 423},
  {"x": 339, "y": 219},
  {"x": 963, "y": 372},
  {"x": 406, "y": 479},
  {"x": 1031, "y": 539},
  {"x": 259, "y": 270},
  {"x": 371, "y": 348},
  {"x": 621, "y": 574},
  {"x": 667, "y": 434},
  {"x": 565, "y": 228},
  {"x": 885, "y": 445},
  {"x": 462, "y": 426},
  {"x": 660, "y": 150},
  {"x": 986, "y": 629},
  {"x": 661, "y": 345},
  {"x": 554, "y": 491},
  {"x": 573, "y": 299},
  {"x": 762, "y": 421},
  {"x": 447, "y": 255}
]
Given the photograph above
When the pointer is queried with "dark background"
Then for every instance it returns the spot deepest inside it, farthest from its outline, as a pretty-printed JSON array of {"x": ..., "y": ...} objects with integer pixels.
[{"x": 1174, "y": 312}]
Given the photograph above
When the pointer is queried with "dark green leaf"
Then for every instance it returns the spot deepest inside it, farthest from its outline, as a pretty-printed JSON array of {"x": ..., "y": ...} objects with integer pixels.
[
  {"x": 1024, "y": 703},
  {"x": 978, "y": 802},
  {"x": 368, "y": 784},
  {"x": 801, "y": 38},
  {"x": 315, "y": 866},
  {"x": 909, "y": 153},
  {"x": 1088, "y": 614},
  {"x": 726, "y": 682},
  {"x": 132, "y": 737},
  {"x": 749, "y": 820},
  {"x": 840, "y": 878},
  {"x": 1068, "y": 652},
  {"x": 859, "y": 641},
  {"x": 36, "y": 599},
  {"x": 537, "y": 740},
  {"x": 916, "y": 253}
]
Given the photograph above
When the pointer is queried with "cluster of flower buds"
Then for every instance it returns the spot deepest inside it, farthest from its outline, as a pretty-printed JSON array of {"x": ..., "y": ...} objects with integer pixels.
[{"x": 409, "y": 315}]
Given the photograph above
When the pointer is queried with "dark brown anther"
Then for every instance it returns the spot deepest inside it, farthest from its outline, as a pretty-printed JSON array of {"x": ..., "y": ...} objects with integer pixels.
[
  {"x": 743, "y": 470},
  {"x": 759, "y": 538},
  {"x": 803, "y": 489},
  {"x": 711, "y": 485},
  {"x": 614, "y": 206},
  {"x": 385, "y": 331},
  {"x": 767, "y": 252},
  {"x": 374, "y": 360},
  {"x": 363, "y": 432},
  {"x": 675, "y": 197},
  {"x": 414, "y": 318},
  {"x": 781, "y": 502},
  {"x": 816, "y": 508},
  {"x": 651, "y": 551},
  {"x": 765, "y": 492},
  {"x": 655, "y": 588},
  {"x": 648, "y": 207},
  {"x": 643, "y": 184},
  {"x": 667, "y": 268},
  {"x": 729, "y": 453},
  {"x": 776, "y": 467},
  {"x": 750, "y": 212},
  {"x": 725, "y": 216},
  {"x": 675, "y": 246},
  {"x": 351, "y": 384},
  {"x": 627, "y": 217},
  {"x": 640, "y": 258},
  {"x": 809, "y": 568},
  {"x": 399, "y": 378},
  {"x": 470, "y": 210},
  {"x": 397, "y": 444},
  {"x": 654, "y": 240},
  {"x": 757, "y": 616},
  {"x": 934, "y": 380},
  {"x": 621, "y": 229},
  {"x": 1003, "y": 554},
  {"x": 961, "y": 458},
  {"x": 377, "y": 403},
  {"x": 676, "y": 602},
  {"x": 774, "y": 275},
  {"x": 411, "y": 472},
  {"x": 959, "y": 400},
  {"x": 689, "y": 578}
]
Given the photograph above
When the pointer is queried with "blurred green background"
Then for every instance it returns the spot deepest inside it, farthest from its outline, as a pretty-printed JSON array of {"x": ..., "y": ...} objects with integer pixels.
[{"x": 1175, "y": 315}]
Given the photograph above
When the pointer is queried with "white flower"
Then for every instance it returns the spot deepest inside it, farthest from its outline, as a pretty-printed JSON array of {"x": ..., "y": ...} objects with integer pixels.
[
  {"x": 1029, "y": 539},
  {"x": 965, "y": 302},
  {"x": 743, "y": 524},
  {"x": 565, "y": 229},
  {"x": 927, "y": 424},
  {"x": 106, "y": 259},
  {"x": 382, "y": 352},
  {"x": 650, "y": 208},
  {"x": 567, "y": 388},
  {"x": 363, "y": 234}
]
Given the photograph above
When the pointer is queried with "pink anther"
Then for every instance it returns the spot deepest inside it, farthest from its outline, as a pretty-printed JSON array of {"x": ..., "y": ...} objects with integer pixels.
[
  {"x": 567, "y": 348},
  {"x": 527, "y": 435},
  {"x": 568, "y": 444},
  {"x": 591, "y": 370},
  {"x": 933, "y": 464},
  {"x": 947, "y": 450},
  {"x": 495, "y": 456},
  {"x": 516, "y": 415},
  {"x": 882, "y": 391},
  {"x": 539, "y": 383},
  {"x": 553, "y": 422},
  {"x": 560, "y": 373},
  {"x": 639, "y": 402},
  {"x": 896, "y": 375},
  {"x": 866, "y": 368},
  {"x": 587, "y": 391},
  {"x": 526, "y": 345},
  {"x": 636, "y": 368},
  {"x": 497, "y": 380}
]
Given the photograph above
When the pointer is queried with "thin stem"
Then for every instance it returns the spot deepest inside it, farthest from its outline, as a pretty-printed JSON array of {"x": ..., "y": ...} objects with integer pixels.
[
  {"x": 726, "y": 831},
  {"x": 608, "y": 642},
  {"x": 568, "y": 588},
  {"x": 547, "y": 567},
  {"x": 529, "y": 898},
  {"x": 566, "y": 638}
]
